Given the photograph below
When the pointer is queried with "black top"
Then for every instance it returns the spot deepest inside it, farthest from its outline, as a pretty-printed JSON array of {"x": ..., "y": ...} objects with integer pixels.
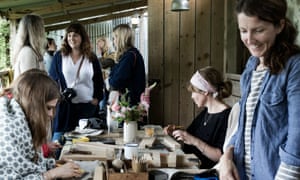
[
  {"x": 210, "y": 128},
  {"x": 129, "y": 73}
]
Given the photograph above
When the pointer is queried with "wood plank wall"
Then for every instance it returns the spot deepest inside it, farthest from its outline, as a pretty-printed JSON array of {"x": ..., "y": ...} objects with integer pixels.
[
  {"x": 182, "y": 42},
  {"x": 179, "y": 44}
]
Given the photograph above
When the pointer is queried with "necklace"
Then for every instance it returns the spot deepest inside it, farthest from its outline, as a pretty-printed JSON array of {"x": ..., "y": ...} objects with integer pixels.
[{"x": 206, "y": 119}]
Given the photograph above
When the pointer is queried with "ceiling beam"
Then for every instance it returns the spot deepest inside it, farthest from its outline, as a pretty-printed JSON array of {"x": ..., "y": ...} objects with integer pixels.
[
  {"x": 59, "y": 6},
  {"x": 97, "y": 19},
  {"x": 74, "y": 16},
  {"x": 54, "y": 7}
]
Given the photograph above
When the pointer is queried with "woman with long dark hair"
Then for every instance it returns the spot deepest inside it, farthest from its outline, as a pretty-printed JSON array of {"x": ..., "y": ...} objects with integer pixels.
[
  {"x": 266, "y": 144},
  {"x": 77, "y": 70}
]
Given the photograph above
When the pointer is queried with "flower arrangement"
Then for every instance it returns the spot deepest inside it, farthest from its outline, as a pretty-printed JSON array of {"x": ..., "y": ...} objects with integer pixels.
[{"x": 123, "y": 112}]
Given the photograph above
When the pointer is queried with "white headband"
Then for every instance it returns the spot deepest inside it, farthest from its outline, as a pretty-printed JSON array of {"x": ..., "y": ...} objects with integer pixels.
[{"x": 199, "y": 82}]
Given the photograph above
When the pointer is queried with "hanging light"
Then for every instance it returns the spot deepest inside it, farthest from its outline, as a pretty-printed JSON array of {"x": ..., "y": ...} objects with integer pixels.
[
  {"x": 135, "y": 20},
  {"x": 180, "y": 5}
]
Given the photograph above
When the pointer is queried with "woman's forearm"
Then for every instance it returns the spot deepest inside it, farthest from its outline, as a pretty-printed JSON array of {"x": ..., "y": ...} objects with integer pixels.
[{"x": 211, "y": 152}]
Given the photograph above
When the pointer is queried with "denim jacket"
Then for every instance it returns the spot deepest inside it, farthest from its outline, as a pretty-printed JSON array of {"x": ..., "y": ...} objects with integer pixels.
[{"x": 275, "y": 132}]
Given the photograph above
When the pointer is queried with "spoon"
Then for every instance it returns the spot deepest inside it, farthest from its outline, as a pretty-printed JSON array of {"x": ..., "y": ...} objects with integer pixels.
[{"x": 118, "y": 163}]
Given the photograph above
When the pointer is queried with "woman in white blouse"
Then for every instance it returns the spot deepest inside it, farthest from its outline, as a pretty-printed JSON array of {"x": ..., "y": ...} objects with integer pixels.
[{"x": 29, "y": 45}]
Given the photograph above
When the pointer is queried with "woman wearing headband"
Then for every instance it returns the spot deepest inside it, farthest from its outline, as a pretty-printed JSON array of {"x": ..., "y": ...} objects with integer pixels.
[{"x": 206, "y": 135}]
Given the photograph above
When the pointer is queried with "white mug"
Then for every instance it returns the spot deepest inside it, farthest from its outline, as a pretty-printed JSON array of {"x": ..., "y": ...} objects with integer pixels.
[
  {"x": 130, "y": 150},
  {"x": 83, "y": 123}
]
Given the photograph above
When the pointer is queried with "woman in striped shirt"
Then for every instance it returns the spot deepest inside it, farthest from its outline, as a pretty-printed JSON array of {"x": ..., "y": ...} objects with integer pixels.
[{"x": 266, "y": 144}]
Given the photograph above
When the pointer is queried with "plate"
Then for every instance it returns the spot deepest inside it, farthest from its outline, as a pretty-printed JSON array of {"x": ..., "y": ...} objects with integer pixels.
[{"x": 84, "y": 132}]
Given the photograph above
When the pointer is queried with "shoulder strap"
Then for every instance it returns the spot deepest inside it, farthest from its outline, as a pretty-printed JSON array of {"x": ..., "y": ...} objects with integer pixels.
[
  {"x": 134, "y": 63},
  {"x": 77, "y": 75}
]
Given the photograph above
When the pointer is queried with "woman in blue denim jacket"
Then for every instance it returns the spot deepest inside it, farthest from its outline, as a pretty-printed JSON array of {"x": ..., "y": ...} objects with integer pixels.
[{"x": 266, "y": 144}]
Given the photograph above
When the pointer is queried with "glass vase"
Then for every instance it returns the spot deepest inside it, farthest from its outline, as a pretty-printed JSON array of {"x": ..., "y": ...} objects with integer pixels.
[{"x": 129, "y": 131}]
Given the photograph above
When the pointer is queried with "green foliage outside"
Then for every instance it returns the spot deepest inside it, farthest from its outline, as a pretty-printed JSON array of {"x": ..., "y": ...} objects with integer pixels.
[{"x": 4, "y": 44}]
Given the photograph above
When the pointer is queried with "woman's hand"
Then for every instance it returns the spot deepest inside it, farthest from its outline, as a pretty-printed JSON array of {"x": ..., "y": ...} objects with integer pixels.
[
  {"x": 53, "y": 146},
  {"x": 168, "y": 130},
  {"x": 181, "y": 135},
  {"x": 68, "y": 170},
  {"x": 228, "y": 170},
  {"x": 95, "y": 102}
]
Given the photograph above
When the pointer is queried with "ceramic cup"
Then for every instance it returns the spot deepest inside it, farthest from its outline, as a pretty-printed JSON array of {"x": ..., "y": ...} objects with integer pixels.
[
  {"x": 83, "y": 123},
  {"x": 130, "y": 150}
]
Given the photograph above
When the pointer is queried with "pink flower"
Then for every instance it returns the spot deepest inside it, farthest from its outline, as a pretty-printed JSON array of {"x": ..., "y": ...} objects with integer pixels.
[
  {"x": 116, "y": 107},
  {"x": 144, "y": 105},
  {"x": 145, "y": 98},
  {"x": 124, "y": 109}
]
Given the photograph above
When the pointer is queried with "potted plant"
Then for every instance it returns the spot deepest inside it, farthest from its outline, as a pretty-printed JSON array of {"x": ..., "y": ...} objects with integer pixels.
[{"x": 123, "y": 112}]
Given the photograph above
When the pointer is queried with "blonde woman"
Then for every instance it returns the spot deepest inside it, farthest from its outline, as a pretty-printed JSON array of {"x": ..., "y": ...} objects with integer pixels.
[
  {"x": 106, "y": 58},
  {"x": 104, "y": 48},
  {"x": 129, "y": 72},
  {"x": 29, "y": 45}
]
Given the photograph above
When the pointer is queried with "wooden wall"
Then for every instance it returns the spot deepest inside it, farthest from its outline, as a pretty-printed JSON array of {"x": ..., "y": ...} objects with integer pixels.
[
  {"x": 179, "y": 44},
  {"x": 182, "y": 42}
]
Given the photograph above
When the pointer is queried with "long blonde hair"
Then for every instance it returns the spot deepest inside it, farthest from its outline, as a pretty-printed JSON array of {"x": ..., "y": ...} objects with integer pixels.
[
  {"x": 124, "y": 39},
  {"x": 106, "y": 46},
  {"x": 32, "y": 90},
  {"x": 31, "y": 32}
]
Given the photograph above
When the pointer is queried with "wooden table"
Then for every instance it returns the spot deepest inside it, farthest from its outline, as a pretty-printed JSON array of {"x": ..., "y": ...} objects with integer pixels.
[{"x": 171, "y": 159}]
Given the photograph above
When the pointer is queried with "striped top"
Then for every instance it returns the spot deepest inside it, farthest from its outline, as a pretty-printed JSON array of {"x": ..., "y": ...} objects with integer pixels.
[
  {"x": 256, "y": 81},
  {"x": 285, "y": 172}
]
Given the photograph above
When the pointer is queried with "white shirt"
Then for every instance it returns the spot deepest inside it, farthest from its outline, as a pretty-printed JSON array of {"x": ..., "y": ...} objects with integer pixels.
[
  {"x": 84, "y": 85},
  {"x": 26, "y": 60}
]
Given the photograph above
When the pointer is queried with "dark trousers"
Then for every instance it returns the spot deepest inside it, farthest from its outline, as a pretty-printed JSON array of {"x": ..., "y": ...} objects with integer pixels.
[{"x": 81, "y": 111}]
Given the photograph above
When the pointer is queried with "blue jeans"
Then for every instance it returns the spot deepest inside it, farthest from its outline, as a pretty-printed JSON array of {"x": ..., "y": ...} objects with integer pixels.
[
  {"x": 103, "y": 102},
  {"x": 57, "y": 136}
]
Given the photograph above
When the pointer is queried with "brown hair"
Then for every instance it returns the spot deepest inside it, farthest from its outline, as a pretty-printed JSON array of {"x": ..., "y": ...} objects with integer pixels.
[
  {"x": 32, "y": 90},
  {"x": 216, "y": 80},
  {"x": 85, "y": 46},
  {"x": 273, "y": 11}
]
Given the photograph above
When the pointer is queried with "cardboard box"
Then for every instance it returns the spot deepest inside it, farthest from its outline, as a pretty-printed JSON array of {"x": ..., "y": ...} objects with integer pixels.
[
  {"x": 108, "y": 174},
  {"x": 128, "y": 176}
]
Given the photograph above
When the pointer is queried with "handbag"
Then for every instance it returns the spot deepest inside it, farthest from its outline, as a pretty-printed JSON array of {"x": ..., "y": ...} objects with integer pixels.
[{"x": 96, "y": 123}]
